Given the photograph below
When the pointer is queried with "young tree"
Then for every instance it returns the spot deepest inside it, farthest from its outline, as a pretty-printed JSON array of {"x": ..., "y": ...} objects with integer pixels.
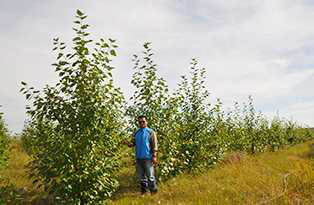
[
  {"x": 199, "y": 146},
  {"x": 152, "y": 99},
  {"x": 77, "y": 123},
  {"x": 181, "y": 120},
  {"x": 151, "y": 95}
]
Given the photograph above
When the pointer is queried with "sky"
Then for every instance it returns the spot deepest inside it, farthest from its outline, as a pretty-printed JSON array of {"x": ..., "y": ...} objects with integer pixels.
[{"x": 249, "y": 47}]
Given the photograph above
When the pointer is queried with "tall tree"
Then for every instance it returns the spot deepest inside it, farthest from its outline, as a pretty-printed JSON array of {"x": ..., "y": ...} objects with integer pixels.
[{"x": 77, "y": 122}]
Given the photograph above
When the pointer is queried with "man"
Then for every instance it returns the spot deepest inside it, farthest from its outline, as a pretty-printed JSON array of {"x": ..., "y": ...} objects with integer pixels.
[{"x": 145, "y": 142}]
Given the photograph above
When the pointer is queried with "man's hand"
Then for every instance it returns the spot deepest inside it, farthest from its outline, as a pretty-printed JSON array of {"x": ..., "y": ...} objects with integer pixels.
[{"x": 129, "y": 144}]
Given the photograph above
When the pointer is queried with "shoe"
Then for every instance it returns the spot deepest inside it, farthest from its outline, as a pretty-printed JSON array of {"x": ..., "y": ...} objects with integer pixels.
[
  {"x": 154, "y": 192},
  {"x": 143, "y": 191}
]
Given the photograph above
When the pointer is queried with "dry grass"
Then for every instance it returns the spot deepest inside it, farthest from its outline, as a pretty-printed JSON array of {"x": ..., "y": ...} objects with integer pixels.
[
  {"x": 15, "y": 170},
  {"x": 283, "y": 177},
  {"x": 14, "y": 177}
]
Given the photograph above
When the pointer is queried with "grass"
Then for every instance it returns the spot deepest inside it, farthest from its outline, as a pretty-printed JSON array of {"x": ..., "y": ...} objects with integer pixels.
[
  {"x": 16, "y": 185},
  {"x": 15, "y": 171},
  {"x": 282, "y": 177}
]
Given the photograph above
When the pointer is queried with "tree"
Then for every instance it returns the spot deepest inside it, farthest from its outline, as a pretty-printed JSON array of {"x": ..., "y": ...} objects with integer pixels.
[
  {"x": 182, "y": 119},
  {"x": 198, "y": 146},
  {"x": 77, "y": 123}
]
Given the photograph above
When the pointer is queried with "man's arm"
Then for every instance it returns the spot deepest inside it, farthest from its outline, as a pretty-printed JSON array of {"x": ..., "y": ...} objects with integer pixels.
[
  {"x": 154, "y": 142},
  {"x": 154, "y": 146}
]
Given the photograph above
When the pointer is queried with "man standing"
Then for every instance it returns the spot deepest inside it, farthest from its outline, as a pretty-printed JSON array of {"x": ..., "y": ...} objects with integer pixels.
[{"x": 145, "y": 142}]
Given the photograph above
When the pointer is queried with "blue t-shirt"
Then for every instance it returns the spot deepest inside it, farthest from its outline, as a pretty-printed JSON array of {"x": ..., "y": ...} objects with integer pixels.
[{"x": 142, "y": 143}]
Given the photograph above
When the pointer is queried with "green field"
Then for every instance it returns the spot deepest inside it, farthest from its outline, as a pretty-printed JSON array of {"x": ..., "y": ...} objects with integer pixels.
[{"x": 282, "y": 177}]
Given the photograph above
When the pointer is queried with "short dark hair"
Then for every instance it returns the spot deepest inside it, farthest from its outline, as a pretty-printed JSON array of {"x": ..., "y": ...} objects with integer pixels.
[{"x": 141, "y": 117}]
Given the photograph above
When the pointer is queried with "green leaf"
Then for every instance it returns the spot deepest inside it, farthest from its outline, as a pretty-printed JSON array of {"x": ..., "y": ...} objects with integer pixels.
[
  {"x": 78, "y": 12},
  {"x": 59, "y": 56},
  {"x": 113, "y": 52},
  {"x": 76, "y": 39},
  {"x": 84, "y": 26}
]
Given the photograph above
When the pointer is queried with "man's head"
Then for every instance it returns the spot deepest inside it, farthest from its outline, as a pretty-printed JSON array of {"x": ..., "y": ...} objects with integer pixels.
[{"x": 142, "y": 121}]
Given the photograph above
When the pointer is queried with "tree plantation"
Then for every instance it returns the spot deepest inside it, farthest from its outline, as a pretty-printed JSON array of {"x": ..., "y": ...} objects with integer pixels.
[{"x": 76, "y": 128}]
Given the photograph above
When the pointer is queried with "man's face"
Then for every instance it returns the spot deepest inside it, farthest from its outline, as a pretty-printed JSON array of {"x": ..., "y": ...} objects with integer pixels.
[{"x": 142, "y": 122}]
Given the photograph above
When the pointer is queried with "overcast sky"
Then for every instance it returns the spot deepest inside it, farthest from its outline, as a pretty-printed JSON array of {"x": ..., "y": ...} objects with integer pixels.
[{"x": 248, "y": 47}]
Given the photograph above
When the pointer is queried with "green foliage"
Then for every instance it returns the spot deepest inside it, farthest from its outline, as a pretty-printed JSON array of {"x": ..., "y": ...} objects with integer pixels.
[
  {"x": 181, "y": 120},
  {"x": 193, "y": 146},
  {"x": 301, "y": 134},
  {"x": 193, "y": 134},
  {"x": 4, "y": 140},
  {"x": 151, "y": 98},
  {"x": 75, "y": 126},
  {"x": 9, "y": 194},
  {"x": 245, "y": 129},
  {"x": 29, "y": 139},
  {"x": 151, "y": 95}
]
